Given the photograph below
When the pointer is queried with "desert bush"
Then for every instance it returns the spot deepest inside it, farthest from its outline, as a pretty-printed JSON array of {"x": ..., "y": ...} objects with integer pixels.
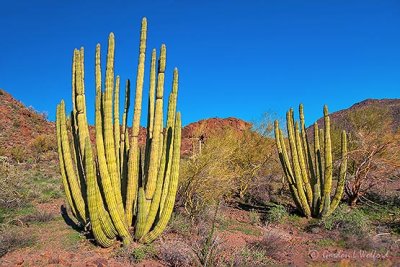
[
  {"x": 11, "y": 240},
  {"x": 276, "y": 213},
  {"x": 206, "y": 178},
  {"x": 43, "y": 187},
  {"x": 43, "y": 143},
  {"x": 18, "y": 154},
  {"x": 175, "y": 254},
  {"x": 274, "y": 244},
  {"x": 142, "y": 252},
  {"x": 350, "y": 227},
  {"x": 255, "y": 217},
  {"x": 10, "y": 195},
  {"x": 254, "y": 158},
  {"x": 208, "y": 246},
  {"x": 179, "y": 224},
  {"x": 347, "y": 220},
  {"x": 230, "y": 165},
  {"x": 19, "y": 187},
  {"x": 373, "y": 150},
  {"x": 266, "y": 189},
  {"x": 37, "y": 217},
  {"x": 251, "y": 256}
]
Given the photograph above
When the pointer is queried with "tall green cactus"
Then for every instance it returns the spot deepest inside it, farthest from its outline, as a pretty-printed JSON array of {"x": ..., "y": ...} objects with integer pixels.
[
  {"x": 309, "y": 172},
  {"x": 117, "y": 187}
]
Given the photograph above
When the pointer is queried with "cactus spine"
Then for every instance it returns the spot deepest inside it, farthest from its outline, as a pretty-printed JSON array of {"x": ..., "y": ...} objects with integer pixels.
[
  {"x": 117, "y": 187},
  {"x": 309, "y": 172}
]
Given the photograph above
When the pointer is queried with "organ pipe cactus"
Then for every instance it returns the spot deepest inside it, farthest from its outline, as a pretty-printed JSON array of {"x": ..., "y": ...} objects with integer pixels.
[
  {"x": 120, "y": 186},
  {"x": 309, "y": 171}
]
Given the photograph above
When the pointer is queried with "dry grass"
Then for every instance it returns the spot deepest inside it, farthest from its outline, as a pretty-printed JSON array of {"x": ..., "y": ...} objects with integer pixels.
[
  {"x": 175, "y": 254},
  {"x": 275, "y": 243},
  {"x": 14, "y": 239}
]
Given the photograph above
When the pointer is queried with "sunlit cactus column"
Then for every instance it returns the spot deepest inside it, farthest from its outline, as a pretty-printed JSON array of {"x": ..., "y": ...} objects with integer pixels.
[
  {"x": 121, "y": 186},
  {"x": 309, "y": 172}
]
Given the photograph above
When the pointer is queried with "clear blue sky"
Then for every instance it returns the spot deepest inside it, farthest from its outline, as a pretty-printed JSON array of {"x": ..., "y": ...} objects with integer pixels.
[{"x": 236, "y": 58}]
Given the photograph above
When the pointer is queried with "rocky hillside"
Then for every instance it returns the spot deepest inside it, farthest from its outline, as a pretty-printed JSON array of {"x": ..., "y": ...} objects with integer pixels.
[
  {"x": 20, "y": 126},
  {"x": 201, "y": 130},
  {"x": 388, "y": 109}
]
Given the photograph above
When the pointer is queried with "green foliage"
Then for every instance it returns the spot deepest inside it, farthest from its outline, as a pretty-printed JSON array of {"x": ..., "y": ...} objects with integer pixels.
[
  {"x": 20, "y": 187},
  {"x": 246, "y": 229},
  {"x": 277, "y": 213},
  {"x": 253, "y": 256},
  {"x": 347, "y": 220},
  {"x": 142, "y": 252},
  {"x": 44, "y": 187},
  {"x": 9, "y": 196},
  {"x": 227, "y": 224},
  {"x": 325, "y": 242},
  {"x": 179, "y": 224},
  {"x": 231, "y": 164},
  {"x": 206, "y": 178},
  {"x": 254, "y": 217},
  {"x": 72, "y": 239},
  {"x": 15, "y": 214}
]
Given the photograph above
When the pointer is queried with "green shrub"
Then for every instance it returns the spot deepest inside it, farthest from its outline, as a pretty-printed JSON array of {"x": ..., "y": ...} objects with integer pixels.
[
  {"x": 352, "y": 227},
  {"x": 252, "y": 256},
  {"x": 142, "y": 252},
  {"x": 179, "y": 224},
  {"x": 254, "y": 217},
  {"x": 347, "y": 220},
  {"x": 276, "y": 214}
]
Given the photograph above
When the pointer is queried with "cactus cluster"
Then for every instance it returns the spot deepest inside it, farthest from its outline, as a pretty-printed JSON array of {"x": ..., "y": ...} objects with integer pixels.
[
  {"x": 120, "y": 185},
  {"x": 309, "y": 171}
]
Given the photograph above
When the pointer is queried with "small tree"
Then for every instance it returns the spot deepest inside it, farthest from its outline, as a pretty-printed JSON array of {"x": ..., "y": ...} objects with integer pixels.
[
  {"x": 206, "y": 177},
  {"x": 373, "y": 150},
  {"x": 254, "y": 156},
  {"x": 229, "y": 164}
]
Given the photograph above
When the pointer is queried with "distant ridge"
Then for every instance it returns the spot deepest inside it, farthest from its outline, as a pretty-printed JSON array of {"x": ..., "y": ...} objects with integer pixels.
[
  {"x": 391, "y": 106},
  {"x": 20, "y": 125}
]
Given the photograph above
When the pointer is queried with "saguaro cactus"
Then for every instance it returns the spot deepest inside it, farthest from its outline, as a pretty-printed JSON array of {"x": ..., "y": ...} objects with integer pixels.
[
  {"x": 121, "y": 185},
  {"x": 309, "y": 172}
]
